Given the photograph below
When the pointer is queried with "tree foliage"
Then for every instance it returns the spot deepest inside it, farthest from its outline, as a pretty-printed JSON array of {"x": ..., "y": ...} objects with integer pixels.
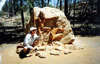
[{"x": 77, "y": 11}]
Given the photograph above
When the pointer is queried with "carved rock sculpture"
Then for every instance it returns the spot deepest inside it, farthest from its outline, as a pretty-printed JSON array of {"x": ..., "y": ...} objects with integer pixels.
[{"x": 52, "y": 25}]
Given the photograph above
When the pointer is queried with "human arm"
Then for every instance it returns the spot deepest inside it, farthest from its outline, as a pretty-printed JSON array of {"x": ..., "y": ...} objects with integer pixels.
[{"x": 29, "y": 46}]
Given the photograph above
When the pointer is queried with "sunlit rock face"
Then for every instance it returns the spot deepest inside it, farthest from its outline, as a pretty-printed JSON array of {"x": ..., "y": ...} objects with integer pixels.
[{"x": 52, "y": 26}]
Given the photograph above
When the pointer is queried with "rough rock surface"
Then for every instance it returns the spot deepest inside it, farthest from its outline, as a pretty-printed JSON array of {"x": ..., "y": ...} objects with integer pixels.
[
  {"x": 57, "y": 43},
  {"x": 41, "y": 48},
  {"x": 67, "y": 51},
  {"x": 54, "y": 18},
  {"x": 42, "y": 54},
  {"x": 49, "y": 48},
  {"x": 72, "y": 47},
  {"x": 55, "y": 52},
  {"x": 55, "y": 32},
  {"x": 59, "y": 48}
]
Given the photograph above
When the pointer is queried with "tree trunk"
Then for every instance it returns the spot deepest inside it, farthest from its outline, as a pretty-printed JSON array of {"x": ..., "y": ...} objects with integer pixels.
[
  {"x": 70, "y": 7},
  {"x": 91, "y": 4},
  {"x": 15, "y": 4},
  {"x": 60, "y": 4},
  {"x": 66, "y": 8},
  {"x": 57, "y": 3},
  {"x": 22, "y": 15},
  {"x": 10, "y": 8},
  {"x": 48, "y": 2},
  {"x": 42, "y": 1},
  {"x": 32, "y": 13},
  {"x": 6, "y": 7},
  {"x": 31, "y": 7},
  {"x": 74, "y": 13},
  {"x": 98, "y": 10}
]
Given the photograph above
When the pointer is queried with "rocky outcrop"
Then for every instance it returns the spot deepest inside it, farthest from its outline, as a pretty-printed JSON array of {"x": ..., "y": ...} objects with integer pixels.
[
  {"x": 52, "y": 25},
  {"x": 55, "y": 32}
]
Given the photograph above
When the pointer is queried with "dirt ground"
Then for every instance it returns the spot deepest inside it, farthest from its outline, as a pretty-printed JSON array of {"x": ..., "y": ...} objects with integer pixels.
[{"x": 89, "y": 55}]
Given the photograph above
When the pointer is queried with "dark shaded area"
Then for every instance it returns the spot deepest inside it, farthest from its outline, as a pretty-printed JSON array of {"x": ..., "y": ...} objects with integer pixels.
[
  {"x": 86, "y": 31},
  {"x": 16, "y": 34},
  {"x": 11, "y": 34},
  {"x": 24, "y": 55}
]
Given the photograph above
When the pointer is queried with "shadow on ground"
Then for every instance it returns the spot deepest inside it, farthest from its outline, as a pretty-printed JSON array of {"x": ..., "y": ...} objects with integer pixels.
[
  {"x": 11, "y": 35},
  {"x": 24, "y": 55},
  {"x": 86, "y": 31}
]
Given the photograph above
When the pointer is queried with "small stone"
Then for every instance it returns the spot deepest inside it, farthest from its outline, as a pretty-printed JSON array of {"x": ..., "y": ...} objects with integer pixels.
[
  {"x": 54, "y": 52},
  {"x": 49, "y": 48},
  {"x": 41, "y": 54},
  {"x": 67, "y": 51},
  {"x": 42, "y": 48},
  {"x": 60, "y": 48},
  {"x": 72, "y": 47},
  {"x": 57, "y": 43}
]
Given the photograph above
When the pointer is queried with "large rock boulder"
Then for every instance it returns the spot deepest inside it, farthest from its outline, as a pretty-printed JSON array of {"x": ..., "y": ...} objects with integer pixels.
[
  {"x": 55, "y": 32},
  {"x": 57, "y": 26}
]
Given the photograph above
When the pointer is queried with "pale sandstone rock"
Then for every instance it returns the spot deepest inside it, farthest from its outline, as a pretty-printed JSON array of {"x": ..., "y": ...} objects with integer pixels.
[
  {"x": 36, "y": 12},
  {"x": 54, "y": 18},
  {"x": 72, "y": 47},
  {"x": 67, "y": 51},
  {"x": 41, "y": 48},
  {"x": 57, "y": 43},
  {"x": 49, "y": 48},
  {"x": 41, "y": 54},
  {"x": 68, "y": 39},
  {"x": 59, "y": 48},
  {"x": 54, "y": 52}
]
